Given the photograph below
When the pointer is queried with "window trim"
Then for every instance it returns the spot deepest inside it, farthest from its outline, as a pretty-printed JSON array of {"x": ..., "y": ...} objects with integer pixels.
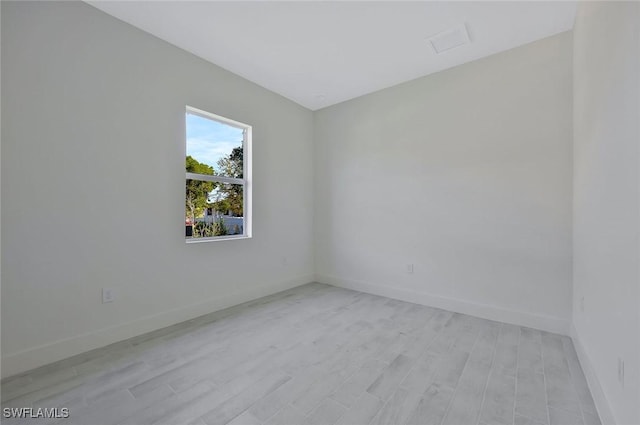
[{"x": 245, "y": 181}]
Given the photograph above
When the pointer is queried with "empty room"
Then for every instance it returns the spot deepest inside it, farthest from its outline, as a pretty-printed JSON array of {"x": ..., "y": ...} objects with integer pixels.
[{"x": 320, "y": 212}]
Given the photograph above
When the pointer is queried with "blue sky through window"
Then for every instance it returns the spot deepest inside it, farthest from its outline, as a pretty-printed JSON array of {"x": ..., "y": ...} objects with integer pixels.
[{"x": 209, "y": 140}]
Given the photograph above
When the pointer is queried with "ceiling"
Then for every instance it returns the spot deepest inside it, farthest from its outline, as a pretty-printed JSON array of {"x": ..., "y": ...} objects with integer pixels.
[{"x": 322, "y": 53}]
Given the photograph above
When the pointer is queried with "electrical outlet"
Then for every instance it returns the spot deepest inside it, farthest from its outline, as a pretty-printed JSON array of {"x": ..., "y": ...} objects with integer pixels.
[
  {"x": 107, "y": 295},
  {"x": 410, "y": 268},
  {"x": 621, "y": 372},
  {"x": 582, "y": 304}
]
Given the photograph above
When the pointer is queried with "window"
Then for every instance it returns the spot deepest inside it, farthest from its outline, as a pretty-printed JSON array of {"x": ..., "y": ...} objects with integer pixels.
[{"x": 218, "y": 177}]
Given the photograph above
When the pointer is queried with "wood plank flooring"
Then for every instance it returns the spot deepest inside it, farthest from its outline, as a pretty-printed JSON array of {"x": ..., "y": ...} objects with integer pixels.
[{"x": 318, "y": 354}]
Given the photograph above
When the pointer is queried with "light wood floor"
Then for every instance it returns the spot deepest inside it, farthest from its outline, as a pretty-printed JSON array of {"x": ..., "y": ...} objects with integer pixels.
[{"x": 319, "y": 355}]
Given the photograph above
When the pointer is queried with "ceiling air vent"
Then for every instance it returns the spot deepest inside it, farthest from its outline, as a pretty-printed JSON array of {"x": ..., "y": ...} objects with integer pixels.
[{"x": 450, "y": 39}]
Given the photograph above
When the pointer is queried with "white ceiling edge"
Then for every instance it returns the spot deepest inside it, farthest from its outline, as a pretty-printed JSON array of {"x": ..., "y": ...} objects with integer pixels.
[{"x": 319, "y": 53}]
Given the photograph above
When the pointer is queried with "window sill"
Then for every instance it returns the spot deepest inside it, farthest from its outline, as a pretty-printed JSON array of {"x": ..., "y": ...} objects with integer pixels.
[{"x": 217, "y": 239}]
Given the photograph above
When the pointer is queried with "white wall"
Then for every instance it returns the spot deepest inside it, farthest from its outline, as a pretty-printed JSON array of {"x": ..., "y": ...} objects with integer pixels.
[
  {"x": 606, "y": 203},
  {"x": 93, "y": 185},
  {"x": 467, "y": 175},
  {"x": 0, "y": 179}
]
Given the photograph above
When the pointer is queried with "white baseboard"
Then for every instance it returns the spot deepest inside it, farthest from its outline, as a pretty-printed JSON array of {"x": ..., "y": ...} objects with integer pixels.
[
  {"x": 599, "y": 398},
  {"x": 25, "y": 360},
  {"x": 484, "y": 311}
]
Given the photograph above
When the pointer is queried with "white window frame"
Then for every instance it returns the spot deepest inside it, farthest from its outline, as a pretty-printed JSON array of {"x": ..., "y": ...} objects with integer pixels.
[{"x": 246, "y": 173}]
